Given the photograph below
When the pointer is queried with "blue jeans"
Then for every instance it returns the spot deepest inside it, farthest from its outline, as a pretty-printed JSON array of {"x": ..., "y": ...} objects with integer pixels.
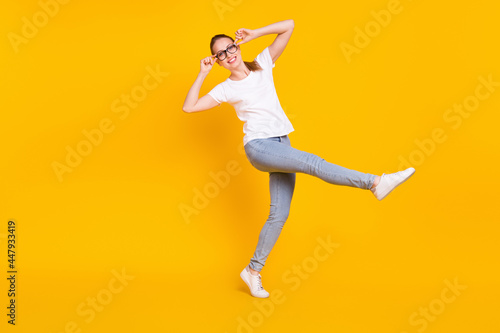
[{"x": 276, "y": 156}]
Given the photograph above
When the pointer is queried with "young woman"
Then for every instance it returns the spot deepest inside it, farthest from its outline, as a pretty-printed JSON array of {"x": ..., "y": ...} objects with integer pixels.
[{"x": 250, "y": 90}]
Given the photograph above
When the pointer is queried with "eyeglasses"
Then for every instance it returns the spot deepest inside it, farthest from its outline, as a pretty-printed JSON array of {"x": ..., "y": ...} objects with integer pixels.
[{"x": 221, "y": 55}]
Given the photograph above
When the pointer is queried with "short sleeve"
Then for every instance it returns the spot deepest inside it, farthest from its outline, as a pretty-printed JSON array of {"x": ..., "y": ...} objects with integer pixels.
[
  {"x": 264, "y": 59},
  {"x": 218, "y": 93}
]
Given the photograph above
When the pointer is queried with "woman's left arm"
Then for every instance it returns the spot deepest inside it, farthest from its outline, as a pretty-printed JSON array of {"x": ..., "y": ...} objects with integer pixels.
[{"x": 284, "y": 30}]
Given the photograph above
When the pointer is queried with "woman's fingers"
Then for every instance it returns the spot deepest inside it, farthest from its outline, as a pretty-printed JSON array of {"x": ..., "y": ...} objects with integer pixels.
[
  {"x": 207, "y": 61},
  {"x": 242, "y": 34}
]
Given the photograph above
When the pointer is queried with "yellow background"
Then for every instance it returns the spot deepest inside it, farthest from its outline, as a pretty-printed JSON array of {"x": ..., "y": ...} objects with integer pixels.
[{"x": 120, "y": 208}]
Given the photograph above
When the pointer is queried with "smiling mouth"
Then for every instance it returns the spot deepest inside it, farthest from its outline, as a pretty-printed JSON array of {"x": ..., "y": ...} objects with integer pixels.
[{"x": 230, "y": 61}]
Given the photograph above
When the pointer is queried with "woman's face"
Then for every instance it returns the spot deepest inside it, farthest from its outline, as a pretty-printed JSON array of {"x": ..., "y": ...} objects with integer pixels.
[{"x": 232, "y": 60}]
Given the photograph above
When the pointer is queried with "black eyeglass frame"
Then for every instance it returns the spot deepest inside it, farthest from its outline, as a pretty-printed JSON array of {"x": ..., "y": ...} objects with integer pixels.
[{"x": 226, "y": 51}]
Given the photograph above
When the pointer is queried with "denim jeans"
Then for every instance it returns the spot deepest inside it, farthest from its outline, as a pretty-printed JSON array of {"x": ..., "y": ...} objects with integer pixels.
[{"x": 276, "y": 156}]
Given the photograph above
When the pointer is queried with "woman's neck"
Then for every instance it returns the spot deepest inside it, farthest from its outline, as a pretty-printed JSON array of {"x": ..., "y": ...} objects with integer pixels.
[{"x": 239, "y": 73}]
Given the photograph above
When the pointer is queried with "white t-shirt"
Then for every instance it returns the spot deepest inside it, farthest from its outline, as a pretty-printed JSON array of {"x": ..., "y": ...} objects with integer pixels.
[{"x": 255, "y": 100}]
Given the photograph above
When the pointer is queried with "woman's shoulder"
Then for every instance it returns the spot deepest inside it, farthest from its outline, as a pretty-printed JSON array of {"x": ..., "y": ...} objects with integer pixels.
[{"x": 264, "y": 59}]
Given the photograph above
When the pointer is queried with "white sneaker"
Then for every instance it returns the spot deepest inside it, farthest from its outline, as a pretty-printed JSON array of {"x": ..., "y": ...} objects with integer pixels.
[
  {"x": 254, "y": 282},
  {"x": 389, "y": 182}
]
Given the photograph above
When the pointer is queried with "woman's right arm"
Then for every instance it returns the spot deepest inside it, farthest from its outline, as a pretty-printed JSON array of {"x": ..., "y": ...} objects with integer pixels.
[{"x": 192, "y": 103}]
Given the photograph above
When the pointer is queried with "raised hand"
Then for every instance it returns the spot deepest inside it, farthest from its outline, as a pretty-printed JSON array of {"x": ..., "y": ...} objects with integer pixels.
[
  {"x": 245, "y": 35},
  {"x": 206, "y": 64}
]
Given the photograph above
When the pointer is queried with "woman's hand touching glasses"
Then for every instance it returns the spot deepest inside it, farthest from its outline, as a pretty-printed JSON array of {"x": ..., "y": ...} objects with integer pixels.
[
  {"x": 245, "y": 35},
  {"x": 242, "y": 36},
  {"x": 206, "y": 64}
]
